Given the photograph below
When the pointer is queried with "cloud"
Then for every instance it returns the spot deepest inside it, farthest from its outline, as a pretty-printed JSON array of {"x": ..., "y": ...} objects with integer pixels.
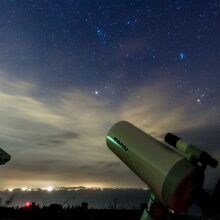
[
  {"x": 58, "y": 139},
  {"x": 61, "y": 140}
]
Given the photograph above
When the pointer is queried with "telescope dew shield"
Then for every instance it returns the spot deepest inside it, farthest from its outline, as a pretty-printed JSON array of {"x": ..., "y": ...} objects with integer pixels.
[{"x": 169, "y": 174}]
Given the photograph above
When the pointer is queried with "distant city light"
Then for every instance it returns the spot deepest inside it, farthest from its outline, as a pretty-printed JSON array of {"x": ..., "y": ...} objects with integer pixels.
[
  {"x": 24, "y": 189},
  {"x": 50, "y": 189},
  {"x": 10, "y": 190}
]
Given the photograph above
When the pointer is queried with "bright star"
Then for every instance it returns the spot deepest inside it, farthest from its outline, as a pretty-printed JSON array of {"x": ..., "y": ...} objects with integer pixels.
[
  {"x": 182, "y": 56},
  {"x": 99, "y": 31},
  {"x": 96, "y": 92}
]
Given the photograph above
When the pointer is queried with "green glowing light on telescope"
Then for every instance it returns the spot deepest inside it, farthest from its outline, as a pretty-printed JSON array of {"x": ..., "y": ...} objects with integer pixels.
[
  {"x": 113, "y": 141},
  {"x": 117, "y": 142}
]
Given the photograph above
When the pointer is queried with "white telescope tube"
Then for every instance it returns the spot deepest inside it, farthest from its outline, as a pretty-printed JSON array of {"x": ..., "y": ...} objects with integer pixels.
[{"x": 168, "y": 173}]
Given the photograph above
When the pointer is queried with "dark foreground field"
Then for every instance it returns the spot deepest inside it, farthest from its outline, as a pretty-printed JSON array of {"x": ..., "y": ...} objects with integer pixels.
[{"x": 58, "y": 212}]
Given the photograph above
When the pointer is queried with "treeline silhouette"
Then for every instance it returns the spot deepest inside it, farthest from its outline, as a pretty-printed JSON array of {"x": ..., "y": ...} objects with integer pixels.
[
  {"x": 78, "y": 212},
  {"x": 33, "y": 211},
  {"x": 57, "y": 211}
]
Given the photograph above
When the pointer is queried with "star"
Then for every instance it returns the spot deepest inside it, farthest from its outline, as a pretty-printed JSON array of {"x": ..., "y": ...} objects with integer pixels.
[
  {"x": 198, "y": 101},
  {"x": 96, "y": 92},
  {"x": 99, "y": 31},
  {"x": 182, "y": 56}
]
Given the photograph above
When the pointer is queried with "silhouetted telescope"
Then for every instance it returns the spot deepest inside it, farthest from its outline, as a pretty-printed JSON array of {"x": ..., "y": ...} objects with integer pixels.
[
  {"x": 4, "y": 157},
  {"x": 175, "y": 174}
]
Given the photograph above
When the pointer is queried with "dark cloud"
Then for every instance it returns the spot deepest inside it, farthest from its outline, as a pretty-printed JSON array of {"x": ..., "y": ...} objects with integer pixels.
[
  {"x": 58, "y": 139},
  {"x": 100, "y": 163},
  {"x": 85, "y": 167},
  {"x": 35, "y": 165},
  {"x": 51, "y": 143},
  {"x": 113, "y": 165},
  {"x": 101, "y": 167},
  {"x": 66, "y": 135}
]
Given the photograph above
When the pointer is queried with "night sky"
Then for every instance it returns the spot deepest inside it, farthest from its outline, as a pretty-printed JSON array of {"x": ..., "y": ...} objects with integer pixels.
[{"x": 70, "y": 69}]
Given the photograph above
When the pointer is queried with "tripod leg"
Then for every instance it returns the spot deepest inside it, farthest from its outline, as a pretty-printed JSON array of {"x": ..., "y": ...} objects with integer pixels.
[
  {"x": 216, "y": 198},
  {"x": 155, "y": 210},
  {"x": 146, "y": 215}
]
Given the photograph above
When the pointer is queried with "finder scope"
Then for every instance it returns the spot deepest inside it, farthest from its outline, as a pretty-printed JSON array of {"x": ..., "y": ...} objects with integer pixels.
[{"x": 191, "y": 151}]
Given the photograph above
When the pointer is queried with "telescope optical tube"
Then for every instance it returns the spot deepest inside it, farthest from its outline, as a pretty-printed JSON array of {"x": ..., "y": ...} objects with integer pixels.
[{"x": 170, "y": 176}]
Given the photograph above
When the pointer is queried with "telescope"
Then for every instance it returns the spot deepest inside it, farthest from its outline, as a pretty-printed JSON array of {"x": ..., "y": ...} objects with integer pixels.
[
  {"x": 4, "y": 157},
  {"x": 174, "y": 172}
]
